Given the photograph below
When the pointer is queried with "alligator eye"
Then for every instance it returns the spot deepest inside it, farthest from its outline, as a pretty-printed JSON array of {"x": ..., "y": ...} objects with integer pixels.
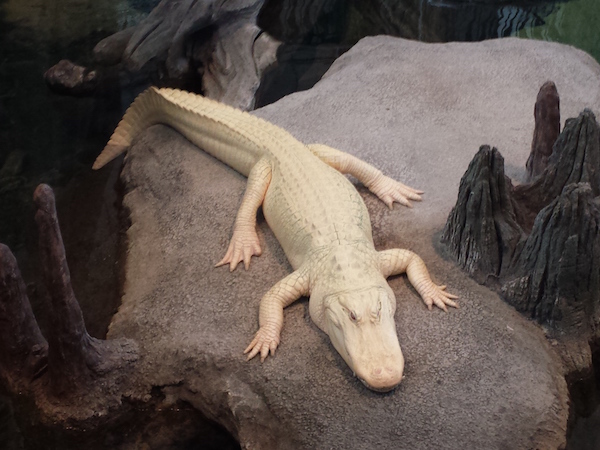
[{"x": 352, "y": 316}]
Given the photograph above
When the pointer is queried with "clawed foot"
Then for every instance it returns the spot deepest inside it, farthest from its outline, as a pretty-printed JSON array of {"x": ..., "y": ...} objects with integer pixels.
[
  {"x": 437, "y": 295},
  {"x": 264, "y": 341},
  {"x": 243, "y": 245},
  {"x": 390, "y": 191}
]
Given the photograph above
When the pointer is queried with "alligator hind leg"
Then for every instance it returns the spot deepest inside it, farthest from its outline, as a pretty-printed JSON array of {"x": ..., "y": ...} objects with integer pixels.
[
  {"x": 244, "y": 241},
  {"x": 384, "y": 187},
  {"x": 397, "y": 261}
]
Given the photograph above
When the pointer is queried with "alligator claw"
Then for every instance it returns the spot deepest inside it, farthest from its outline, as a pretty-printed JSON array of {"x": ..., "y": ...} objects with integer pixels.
[
  {"x": 438, "y": 296},
  {"x": 263, "y": 342},
  {"x": 390, "y": 191},
  {"x": 243, "y": 245}
]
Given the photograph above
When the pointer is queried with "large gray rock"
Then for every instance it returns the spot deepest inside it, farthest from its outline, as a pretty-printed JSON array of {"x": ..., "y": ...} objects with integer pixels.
[{"x": 477, "y": 377}]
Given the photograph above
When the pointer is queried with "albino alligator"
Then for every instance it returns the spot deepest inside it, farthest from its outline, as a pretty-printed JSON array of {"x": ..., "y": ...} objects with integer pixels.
[{"x": 319, "y": 219}]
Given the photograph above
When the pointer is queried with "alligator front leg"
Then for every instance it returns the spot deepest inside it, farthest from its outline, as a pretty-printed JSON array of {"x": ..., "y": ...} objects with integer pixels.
[
  {"x": 270, "y": 317},
  {"x": 384, "y": 187},
  {"x": 244, "y": 242},
  {"x": 397, "y": 261}
]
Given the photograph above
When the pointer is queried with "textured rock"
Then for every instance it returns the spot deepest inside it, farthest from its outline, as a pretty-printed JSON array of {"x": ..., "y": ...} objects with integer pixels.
[
  {"x": 182, "y": 208},
  {"x": 547, "y": 129},
  {"x": 66, "y": 77}
]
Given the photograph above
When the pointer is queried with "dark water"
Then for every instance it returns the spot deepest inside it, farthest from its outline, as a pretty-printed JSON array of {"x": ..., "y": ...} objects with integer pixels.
[
  {"x": 316, "y": 33},
  {"x": 48, "y": 138}
]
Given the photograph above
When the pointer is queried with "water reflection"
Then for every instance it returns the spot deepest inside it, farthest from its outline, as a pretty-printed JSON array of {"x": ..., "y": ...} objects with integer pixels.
[
  {"x": 312, "y": 22},
  {"x": 575, "y": 22},
  {"x": 316, "y": 32},
  {"x": 468, "y": 21}
]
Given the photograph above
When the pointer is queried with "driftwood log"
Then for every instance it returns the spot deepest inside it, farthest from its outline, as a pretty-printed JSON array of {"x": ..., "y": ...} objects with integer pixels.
[
  {"x": 71, "y": 362},
  {"x": 223, "y": 49},
  {"x": 209, "y": 46},
  {"x": 538, "y": 243}
]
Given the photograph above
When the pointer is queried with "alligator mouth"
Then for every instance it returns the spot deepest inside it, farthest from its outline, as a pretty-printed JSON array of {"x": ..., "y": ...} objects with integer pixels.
[
  {"x": 377, "y": 389},
  {"x": 377, "y": 383}
]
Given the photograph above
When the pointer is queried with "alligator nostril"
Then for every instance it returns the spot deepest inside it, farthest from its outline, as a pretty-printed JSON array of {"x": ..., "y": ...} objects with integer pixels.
[{"x": 377, "y": 371}]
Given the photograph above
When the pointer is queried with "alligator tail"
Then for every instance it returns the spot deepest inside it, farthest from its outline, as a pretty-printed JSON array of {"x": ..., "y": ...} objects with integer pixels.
[
  {"x": 230, "y": 135},
  {"x": 142, "y": 113}
]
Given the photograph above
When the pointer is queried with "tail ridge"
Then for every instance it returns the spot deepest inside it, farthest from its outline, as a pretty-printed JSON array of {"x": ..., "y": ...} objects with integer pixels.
[{"x": 141, "y": 114}]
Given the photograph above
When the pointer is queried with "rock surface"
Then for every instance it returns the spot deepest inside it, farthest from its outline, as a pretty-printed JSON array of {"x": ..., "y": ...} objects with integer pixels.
[
  {"x": 478, "y": 377},
  {"x": 70, "y": 78}
]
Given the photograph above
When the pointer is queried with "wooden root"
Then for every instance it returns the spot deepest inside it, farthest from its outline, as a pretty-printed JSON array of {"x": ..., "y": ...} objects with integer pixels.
[
  {"x": 210, "y": 46},
  {"x": 23, "y": 349},
  {"x": 75, "y": 358},
  {"x": 482, "y": 231},
  {"x": 546, "y": 131},
  {"x": 72, "y": 360},
  {"x": 555, "y": 276}
]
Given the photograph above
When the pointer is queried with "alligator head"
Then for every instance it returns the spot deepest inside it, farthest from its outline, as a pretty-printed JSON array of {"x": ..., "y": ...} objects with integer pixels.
[
  {"x": 360, "y": 324},
  {"x": 351, "y": 301}
]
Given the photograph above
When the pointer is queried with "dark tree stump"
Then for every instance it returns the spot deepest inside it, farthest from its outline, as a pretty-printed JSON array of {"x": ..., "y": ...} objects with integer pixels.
[
  {"x": 537, "y": 243},
  {"x": 547, "y": 129},
  {"x": 23, "y": 349},
  {"x": 75, "y": 358},
  {"x": 558, "y": 270},
  {"x": 482, "y": 231},
  {"x": 575, "y": 159}
]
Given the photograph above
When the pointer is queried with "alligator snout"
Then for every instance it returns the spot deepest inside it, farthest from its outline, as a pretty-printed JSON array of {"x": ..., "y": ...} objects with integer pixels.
[
  {"x": 360, "y": 324},
  {"x": 383, "y": 378}
]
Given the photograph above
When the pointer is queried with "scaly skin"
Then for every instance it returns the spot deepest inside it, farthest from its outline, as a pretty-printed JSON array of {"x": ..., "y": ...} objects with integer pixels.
[{"x": 319, "y": 219}]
